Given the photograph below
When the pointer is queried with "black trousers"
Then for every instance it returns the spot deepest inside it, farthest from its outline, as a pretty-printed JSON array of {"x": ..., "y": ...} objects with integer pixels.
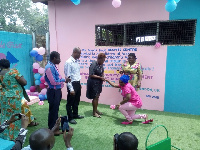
[
  {"x": 54, "y": 97},
  {"x": 73, "y": 101}
]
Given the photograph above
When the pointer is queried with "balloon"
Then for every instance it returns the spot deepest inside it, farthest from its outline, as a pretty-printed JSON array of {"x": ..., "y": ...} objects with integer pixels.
[
  {"x": 170, "y": 6},
  {"x": 37, "y": 76},
  {"x": 46, "y": 96},
  {"x": 157, "y": 45},
  {"x": 40, "y": 103},
  {"x": 37, "y": 82},
  {"x": 116, "y": 3},
  {"x": 43, "y": 91},
  {"x": 42, "y": 85},
  {"x": 35, "y": 70},
  {"x": 42, "y": 79},
  {"x": 42, "y": 97},
  {"x": 33, "y": 53},
  {"x": 112, "y": 106},
  {"x": 41, "y": 70},
  {"x": 177, "y": 1},
  {"x": 39, "y": 57},
  {"x": 36, "y": 49},
  {"x": 76, "y": 2},
  {"x": 32, "y": 88},
  {"x": 41, "y": 51},
  {"x": 36, "y": 66}
]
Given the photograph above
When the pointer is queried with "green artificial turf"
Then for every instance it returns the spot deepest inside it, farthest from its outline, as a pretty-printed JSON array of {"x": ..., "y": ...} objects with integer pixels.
[{"x": 93, "y": 133}]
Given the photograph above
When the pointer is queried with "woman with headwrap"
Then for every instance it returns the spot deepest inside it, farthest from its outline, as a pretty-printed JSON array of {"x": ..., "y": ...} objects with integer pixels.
[
  {"x": 134, "y": 70},
  {"x": 131, "y": 100}
]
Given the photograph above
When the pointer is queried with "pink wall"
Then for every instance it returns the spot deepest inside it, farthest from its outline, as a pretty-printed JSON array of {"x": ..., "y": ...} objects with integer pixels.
[{"x": 72, "y": 26}]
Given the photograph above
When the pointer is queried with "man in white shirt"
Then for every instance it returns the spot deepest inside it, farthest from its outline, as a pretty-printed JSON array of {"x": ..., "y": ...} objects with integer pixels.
[{"x": 72, "y": 71}]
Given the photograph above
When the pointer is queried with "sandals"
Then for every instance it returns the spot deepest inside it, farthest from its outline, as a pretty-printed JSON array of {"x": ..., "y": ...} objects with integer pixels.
[
  {"x": 96, "y": 115},
  {"x": 146, "y": 119},
  {"x": 99, "y": 113},
  {"x": 33, "y": 124}
]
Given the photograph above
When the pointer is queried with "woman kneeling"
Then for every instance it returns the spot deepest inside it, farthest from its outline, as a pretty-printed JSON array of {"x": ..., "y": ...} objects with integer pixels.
[{"x": 131, "y": 100}]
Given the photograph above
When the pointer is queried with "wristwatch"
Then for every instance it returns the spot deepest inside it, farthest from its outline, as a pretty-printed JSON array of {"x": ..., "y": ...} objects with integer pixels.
[{"x": 4, "y": 125}]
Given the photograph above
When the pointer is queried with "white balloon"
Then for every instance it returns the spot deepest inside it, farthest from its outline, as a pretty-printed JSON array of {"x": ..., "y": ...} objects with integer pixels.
[
  {"x": 36, "y": 49},
  {"x": 116, "y": 3},
  {"x": 41, "y": 51}
]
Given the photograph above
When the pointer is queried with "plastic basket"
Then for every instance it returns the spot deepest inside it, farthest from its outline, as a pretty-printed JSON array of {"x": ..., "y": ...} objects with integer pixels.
[{"x": 161, "y": 145}]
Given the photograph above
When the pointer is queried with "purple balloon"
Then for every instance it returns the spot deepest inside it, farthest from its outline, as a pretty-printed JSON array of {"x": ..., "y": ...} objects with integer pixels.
[
  {"x": 42, "y": 79},
  {"x": 35, "y": 70},
  {"x": 42, "y": 85},
  {"x": 32, "y": 88}
]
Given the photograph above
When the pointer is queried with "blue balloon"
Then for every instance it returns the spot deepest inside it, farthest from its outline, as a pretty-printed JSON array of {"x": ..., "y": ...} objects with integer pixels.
[
  {"x": 177, "y": 1},
  {"x": 33, "y": 53},
  {"x": 37, "y": 76},
  {"x": 76, "y": 2},
  {"x": 42, "y": 97},
  {"x": 170, "y": 5},
  {"x": 37, "y": 82},
  {"x": 39, "y": 57},
  {"x": 45, "y": 96}
]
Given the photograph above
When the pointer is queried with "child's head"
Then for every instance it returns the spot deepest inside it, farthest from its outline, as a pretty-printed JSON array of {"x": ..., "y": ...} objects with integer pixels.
[{"x": 125, "y": 141}]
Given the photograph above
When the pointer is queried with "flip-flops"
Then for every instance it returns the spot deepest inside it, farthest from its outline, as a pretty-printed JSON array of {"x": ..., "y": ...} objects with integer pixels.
[{"x": 97, "y": 115}]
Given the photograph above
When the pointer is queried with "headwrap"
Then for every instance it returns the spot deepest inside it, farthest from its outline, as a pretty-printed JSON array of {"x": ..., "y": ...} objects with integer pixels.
[{"x": 124, "y": 78}]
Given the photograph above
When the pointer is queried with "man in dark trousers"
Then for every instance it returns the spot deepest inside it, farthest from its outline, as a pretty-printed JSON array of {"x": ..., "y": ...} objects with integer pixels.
[
  {"x": 72, "y": 71},
  {"x": 55, "y": 83}
]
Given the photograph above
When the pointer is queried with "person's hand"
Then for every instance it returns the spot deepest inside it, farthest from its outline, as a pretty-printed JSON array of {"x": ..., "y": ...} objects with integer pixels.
[
  {"x": 117, "y": 106},
  {"x": 67, "y": 80},
  {"x": 139, "y": 84},
  {"x": 14, "y": 118},
  {"x": 56, "y": 127},
  {"x": 24, "y": 121},
  {"x": 67, "y": 137},
  {"x": 72, "y": 93},
  {"x": 102, "y": 78},
  {"x": 121, "y": 71}
]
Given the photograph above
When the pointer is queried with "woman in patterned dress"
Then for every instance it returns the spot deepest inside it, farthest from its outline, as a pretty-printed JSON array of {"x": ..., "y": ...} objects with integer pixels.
[
  {"x": 11, "y": 93},
  {"x": 10, "y": 97},
  {"x": 134, "y": 70}
]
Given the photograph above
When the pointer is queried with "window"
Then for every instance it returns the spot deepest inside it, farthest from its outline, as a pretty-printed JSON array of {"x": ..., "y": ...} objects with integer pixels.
[{"x": 178, "y": 32}]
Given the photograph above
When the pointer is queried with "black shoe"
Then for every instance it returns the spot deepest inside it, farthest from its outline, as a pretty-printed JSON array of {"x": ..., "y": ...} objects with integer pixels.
[
  {"x": 73, "y": 121},
  {"x": 79, "y": 117}
]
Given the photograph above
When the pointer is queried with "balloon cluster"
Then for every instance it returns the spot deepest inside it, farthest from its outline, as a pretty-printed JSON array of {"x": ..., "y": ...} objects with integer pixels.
[
  {"x": 39, "y": 73},
  {"x": 171, "y": 5},
  {"x": 37, "y": 53},
  {"x": 76, "y": 2},
  {"x": 116, "y": 3}
]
